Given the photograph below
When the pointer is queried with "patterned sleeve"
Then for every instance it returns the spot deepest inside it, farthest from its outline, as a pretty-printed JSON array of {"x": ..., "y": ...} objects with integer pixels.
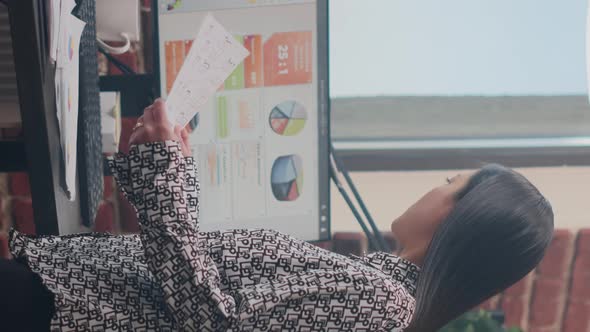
[
  {"x": 162, "y": 186},
  {"x": 326, "y": 300}
]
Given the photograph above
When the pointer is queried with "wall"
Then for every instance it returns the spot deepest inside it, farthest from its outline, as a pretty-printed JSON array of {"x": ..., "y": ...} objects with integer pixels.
[
  {"x": 553, "y": 298},
  {"x": 556, "y": 296},
  {"x": 388, "y": 194},
  {"x": 16, "y": 206}
]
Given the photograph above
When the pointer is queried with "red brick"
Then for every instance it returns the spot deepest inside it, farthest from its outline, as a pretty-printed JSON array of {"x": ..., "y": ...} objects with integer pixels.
[
  {"x": 584, "y": 240},
  {"x": 548, "y": 289},
  {"x": 582, "y": 263},
  {"x": 514, "y": 310},
  {"x": 108, "y": 187},
  {"x": 582, "y": 260},
  {"x": 127, "y": 125},
  {"x": 104, "y": 222},
  {"x": 128, "y": 218},
  {"x": 580, "y": 289},
  {"x": 324, "y": 244},
  {"x": 349, "y": 243},
  {"x": 22, "y": 212},
  {"x": 546, "y": 305},
  {"x": 19, "y": 184},
  {"x": 556, "y": 259},
  {"x": 544, "y": 313},
  {"x": 577, "y": 318},
  {"x": 357, "y": 236}
]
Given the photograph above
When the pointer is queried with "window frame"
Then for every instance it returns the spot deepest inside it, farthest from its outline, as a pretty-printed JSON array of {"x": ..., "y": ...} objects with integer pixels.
[
  {"x": 407, "y": 153},
  {"x": 414, "y": 155}
]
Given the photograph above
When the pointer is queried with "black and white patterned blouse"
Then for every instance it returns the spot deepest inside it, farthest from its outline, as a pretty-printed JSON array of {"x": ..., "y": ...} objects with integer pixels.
[{"x": 171, "y": 277}]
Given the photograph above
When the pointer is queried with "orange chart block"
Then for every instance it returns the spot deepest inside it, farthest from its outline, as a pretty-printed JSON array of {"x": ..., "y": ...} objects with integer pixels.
[
  {"x": 288, "y": 58},
  {"x": 176, "y": 52},
  {"x": 285, "y": 58},
  {"x": 170, "y": 65},
  {"x": 253, "y": 63}
]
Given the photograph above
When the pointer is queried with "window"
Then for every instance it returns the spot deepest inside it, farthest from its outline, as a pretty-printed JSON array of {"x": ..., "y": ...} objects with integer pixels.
[{"x": 461, "y": 74}]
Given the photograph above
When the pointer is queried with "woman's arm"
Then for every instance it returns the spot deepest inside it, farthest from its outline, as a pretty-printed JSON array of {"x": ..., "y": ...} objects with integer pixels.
[
  {"x": 162, "y": 186},
  {"x": 275, "y": 281}
]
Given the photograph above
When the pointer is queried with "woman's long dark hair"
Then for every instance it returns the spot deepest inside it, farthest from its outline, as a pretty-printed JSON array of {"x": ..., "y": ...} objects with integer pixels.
[{"x": 495, "y": 235}]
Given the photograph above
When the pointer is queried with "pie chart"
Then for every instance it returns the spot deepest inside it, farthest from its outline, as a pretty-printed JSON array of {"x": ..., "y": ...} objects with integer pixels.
[
  {"x": 287, "y": 178},
  {"x": 288, "y": 118},
  {"x": 193, "y": 123}
]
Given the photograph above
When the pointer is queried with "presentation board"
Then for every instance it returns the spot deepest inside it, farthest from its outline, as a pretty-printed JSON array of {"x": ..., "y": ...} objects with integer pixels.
[{"x": 261, "y": 142}]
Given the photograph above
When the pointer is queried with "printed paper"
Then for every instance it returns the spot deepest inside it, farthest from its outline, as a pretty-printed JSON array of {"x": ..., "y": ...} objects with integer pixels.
[{"x": 214, "y": 55}]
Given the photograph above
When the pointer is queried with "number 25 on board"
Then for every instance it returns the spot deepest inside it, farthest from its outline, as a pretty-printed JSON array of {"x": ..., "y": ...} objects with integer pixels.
[{"x": 283, "y": 57}]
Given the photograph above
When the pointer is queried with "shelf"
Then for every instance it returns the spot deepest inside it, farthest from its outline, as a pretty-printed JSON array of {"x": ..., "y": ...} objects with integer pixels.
[{"x": 13, "y": 155}]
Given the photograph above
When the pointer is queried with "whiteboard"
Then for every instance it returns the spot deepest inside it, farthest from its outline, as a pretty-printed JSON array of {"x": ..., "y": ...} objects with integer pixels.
[{"x": 261, "y": 142}]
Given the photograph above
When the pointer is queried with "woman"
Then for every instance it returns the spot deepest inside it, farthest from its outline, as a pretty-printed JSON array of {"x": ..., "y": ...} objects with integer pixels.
[{"x": 468, "y": 239}]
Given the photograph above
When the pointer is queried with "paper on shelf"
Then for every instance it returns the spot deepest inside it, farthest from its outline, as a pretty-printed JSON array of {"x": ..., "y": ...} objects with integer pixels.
[
  {"x": 54, "y": 18},
  {"x": 65, "y": 15},
  {"x": 67, "y": 95},
  {"x": 214, "y": 54}
]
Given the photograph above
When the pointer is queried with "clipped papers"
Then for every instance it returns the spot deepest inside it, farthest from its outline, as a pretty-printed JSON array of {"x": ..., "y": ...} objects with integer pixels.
[{"x": 67, "y": 89}]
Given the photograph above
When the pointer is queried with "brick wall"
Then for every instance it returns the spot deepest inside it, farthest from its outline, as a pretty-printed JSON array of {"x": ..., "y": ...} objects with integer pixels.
[
  {"x": 553, "y": 298},
  {"x": 16, "y": 208}
]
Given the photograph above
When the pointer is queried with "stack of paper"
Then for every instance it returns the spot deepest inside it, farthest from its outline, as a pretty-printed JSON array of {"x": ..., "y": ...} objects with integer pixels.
[{"x": 66, "y": 45}]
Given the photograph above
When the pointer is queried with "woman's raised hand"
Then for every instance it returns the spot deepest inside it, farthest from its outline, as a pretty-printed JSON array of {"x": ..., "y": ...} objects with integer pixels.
[{"x": 154, "y": 126}]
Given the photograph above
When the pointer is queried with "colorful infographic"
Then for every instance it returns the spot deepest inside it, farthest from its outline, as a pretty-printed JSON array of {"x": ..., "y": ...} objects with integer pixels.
[
  {"x": 256, "y": 134},
  {"x": 174, "y": 5},
  {"x": 285, "y": 58},
  {"x": 288, "y": 58}
]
